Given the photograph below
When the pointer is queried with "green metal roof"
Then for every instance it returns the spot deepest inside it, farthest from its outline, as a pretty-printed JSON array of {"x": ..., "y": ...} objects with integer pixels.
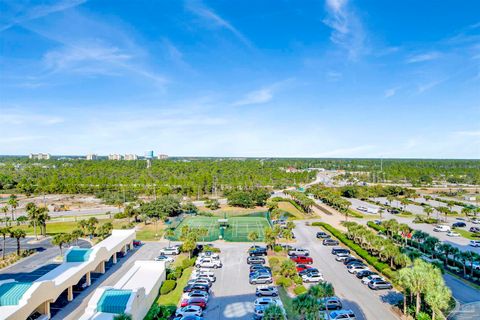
[
  {"x": 12, "y": 292},
  {"x": 78, "y": 255},
  {"x": 114, "y": 301}
]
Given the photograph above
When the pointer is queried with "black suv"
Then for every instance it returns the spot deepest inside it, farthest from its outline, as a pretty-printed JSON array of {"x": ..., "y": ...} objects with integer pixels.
[
  {"x": 340, "y": 250},
  {"x": 258, "y": 252},
  {"x": 351, "y": 260},
  {"x": 330, "y": 242},
  {"x": 459, "y": 225}
]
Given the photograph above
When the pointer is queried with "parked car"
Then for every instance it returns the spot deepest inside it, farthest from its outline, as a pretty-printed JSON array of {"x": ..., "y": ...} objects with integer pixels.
[
  {"x": 377, "y": 222},
  {"x": 260, "y": 272},
  {"x": 330, "y": 303},
  {"x": 459, "y": 225},
  {"x": 199, "y": 281},
  {"x": 189, "y": 311},
  {"x": 341, "y": 314},
  {"x": 453, "y": 234},
  {"x": 475, "y": 243},
  {"x": 201, "y": 302},
  {"x": 209, "y": 254},
  {"x": 475, "y": 221},
  {"x": 210, "y": 277},
  {"x": 308, "y": 272},
  {"x": 170, "y": 251},
  {"x": 137, "y": 243},
  {"x": 322, "y": 235},
  {"x": 265, "y": 301},
  {"x": 259, "y": 309},
  {"x": 364, "y": 273},
  {"x": 206, "y": 271},
  {"x": 196, "y": 286},
  {"x": 367, "y": 280},
  {"x": 208, "y": 263},
  {"x": 266, "y": 291},
  {"x": 299, "y": 252},
  {"x": 342, "y": 256},
  {"x": 474, "y": 229},
  {"x": 330, "y": 242},
  {"x": 301, "y": 267},
  {"x": 164, "y": 258},
  {"x": 441, "y": 228},
  {"x": 394, "y": 211},
  {"x": 197, "y": 294},
  {"x": 338, "y": 250},
  {"x": 261, "y": 279},
  {"x": 379, "y": 284},
  {"x": 314, "y": 278},
  {"x": 255, "y": 260},
  {"x": 258, "y": 252},
  {"x": 354, "y": 268},
  {"x": 351, "y": 259},
  {"x": 254, "y": 267},
  {"x": 302, "y": 259}
]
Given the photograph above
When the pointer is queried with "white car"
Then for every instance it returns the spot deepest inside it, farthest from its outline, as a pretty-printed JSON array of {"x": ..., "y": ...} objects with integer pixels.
[
  {"x": 189, "y": 311},
  {"x": 266, "y": 301},
  {"x": 363, "y": 209},
  {"x": 170, "y": 251},
  {"x": 342, "y": 256},
  {"x": 209, "y": 254},
  {"x": 341, "y": 314},
  {"x": 453, "y": 234},
  {"x": 208, "y": 263},
  {"x": 207, "y": 276},
  {"x": 209, "y": 272},
  {"x": 299, "y": 252},
  {"x": 355, "y": 268},
  {"x": 366, "y": 280},
  {"x": 199, "y": 281},
  {"x": 164, "y": 258},
  {"x": 315, "y": 277},
  {"x": 263, "y": 291},
  {"x": 475, "y": 221},
  {"x": 441, "y": 228},
  {"x": 196, "y": 294},
  {"x": 475, "y": 243}
]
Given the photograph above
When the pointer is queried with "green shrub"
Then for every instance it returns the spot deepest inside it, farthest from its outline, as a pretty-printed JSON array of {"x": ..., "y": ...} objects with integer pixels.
[
  {"x": 188, "y": 263},
  {"x": 167, "y": 286},
  {"x": 423, "y": 316},
  {"x": 210, "y": 248},
  {"x": 297, "y": 279},
  {"x": 299, "y": 290},
  {"x": 172, "y": 276},
  {"x": 119, "y": 215},
  {"x": 284, "y": 282},
  {"x": 277, "y": 248},
  {"x": 274, "y": 261},
  {"x": 158, "y": 312},
  {"x": 375, "y": 226}
]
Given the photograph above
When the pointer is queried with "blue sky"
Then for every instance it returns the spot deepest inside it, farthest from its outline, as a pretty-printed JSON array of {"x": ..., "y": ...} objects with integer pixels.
[{"x": 334, "y": 78}]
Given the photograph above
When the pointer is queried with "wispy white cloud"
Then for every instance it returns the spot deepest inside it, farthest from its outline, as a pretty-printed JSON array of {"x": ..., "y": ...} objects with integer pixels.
[
  {"x": 19, "y": 118},
  {"x": 422, "y": 57},
  {"x": 390, "y": 92},
  {"x": 208, "y": 14},
  {"x": 429, "y": 85},
  {"x": 472, "y": 133},
  {"x": 262, "y": 95},
  {"x": 31, "y": 12},
  {"x": 347, "y": 29}
]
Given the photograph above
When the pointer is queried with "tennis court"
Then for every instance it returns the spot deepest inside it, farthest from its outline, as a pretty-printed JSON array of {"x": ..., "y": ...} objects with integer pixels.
[{"x": 237, "y": 228}]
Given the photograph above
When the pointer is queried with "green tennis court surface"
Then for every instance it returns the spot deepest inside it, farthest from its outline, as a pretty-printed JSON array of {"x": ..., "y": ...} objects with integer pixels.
[{"x": 237, "y": 230}]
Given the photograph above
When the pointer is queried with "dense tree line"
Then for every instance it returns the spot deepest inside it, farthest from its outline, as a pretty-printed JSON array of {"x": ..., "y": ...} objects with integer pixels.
[{"x": 195, "y": 178}]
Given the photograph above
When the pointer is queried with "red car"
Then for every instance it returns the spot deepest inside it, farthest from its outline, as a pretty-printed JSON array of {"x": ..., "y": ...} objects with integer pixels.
[
  {"x": 301, "y": 267},
  {"x": 137, "y": 243},
  {"x": 202, "y": 303},
  {"x": 302, "y": 259}
]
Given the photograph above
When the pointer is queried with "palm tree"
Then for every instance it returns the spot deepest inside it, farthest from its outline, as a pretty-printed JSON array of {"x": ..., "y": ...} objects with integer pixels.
[
  {"x": 305, "y": 306},
  {"x": 428, "y": 210},
  {"x": 4, "y": 210},
  {"x": 122, "y": 316},
  {"x": 43, "y": 217},
  {"x": 446, "y": 248},
  {"x": 273, "y": 312},
  {"x": 32, "y": 214},
  {"x": 13, "y": 203},
  {"x": 5, "y": 231},
  {"x": 321, "y": 291},
  {"x": 455, "y": 254},
  {"x": 405, "y": 229},
  {"x": 18, "y": 234},
  {"x": 75, "y": 235},
  {"x": 466, "y": 211},
  {"x": 169, "y": 234},
  {"x": 405, "y": 280},
  {"x": 464, "y": 256},
  {"x": 438, "y": 299},
  {"x": 60, "y": 239},
  {"x": 253, "y": 236}
]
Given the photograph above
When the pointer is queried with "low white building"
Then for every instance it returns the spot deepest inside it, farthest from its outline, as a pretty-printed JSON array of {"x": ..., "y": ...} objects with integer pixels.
[
  {"x": 39, "y": 156},
  {"x": 162, "y": 157},
  {"x": 133, "y": 294},
  {"x": 91, "y": 156},
  {"x": 130, "y": 157},
  {"x": 115, "y": 156},
  {"x": 19, "y": 300}
]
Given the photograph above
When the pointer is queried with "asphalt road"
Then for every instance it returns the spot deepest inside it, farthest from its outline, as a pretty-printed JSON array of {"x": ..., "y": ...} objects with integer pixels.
[{"x": 365, "y": 303}]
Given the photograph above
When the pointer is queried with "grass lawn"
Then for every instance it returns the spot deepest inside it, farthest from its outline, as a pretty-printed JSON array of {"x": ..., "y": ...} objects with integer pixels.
[
  {"x": 291, "y": 209},
  {"x": 287, "y": 303},
  {"x": 147, "y": 232},
  {"x": 232, "y": 211},
  {"x": 173, "y": 297},
  {"x": 68, "y": 226},
  {"x": 466, "y": 234}
]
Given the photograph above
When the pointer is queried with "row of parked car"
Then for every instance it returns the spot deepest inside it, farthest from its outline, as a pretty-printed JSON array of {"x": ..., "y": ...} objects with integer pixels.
[
  {"x": 357, "y": 267},
  {"x": 196, "y": 293}
]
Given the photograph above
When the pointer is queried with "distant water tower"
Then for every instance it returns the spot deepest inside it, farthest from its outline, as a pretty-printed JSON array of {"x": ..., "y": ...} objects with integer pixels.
[{"x": 149, "y": 157}]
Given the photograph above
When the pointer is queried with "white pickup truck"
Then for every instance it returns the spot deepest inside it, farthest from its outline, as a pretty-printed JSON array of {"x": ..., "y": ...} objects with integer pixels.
[{"x": 208, "y": 263}]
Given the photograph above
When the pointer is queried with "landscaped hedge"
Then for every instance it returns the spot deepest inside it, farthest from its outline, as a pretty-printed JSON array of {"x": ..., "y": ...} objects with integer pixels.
[
  {"x": 167, "y": 286},
  {"x": 299, "y": 290},
  {"x": 371, "y": 260},
  {"x": 375, "y": 226},
  {"x": 284, "y": 282}
]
